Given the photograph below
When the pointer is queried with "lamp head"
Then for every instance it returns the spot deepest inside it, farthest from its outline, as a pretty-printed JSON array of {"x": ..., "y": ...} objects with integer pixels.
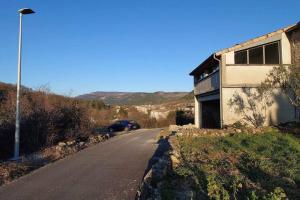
[{"x": 25, "y": 11}]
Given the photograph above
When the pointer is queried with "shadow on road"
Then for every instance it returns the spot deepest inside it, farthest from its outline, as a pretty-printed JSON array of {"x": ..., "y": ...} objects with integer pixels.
[{"x": 163, "y": 146}]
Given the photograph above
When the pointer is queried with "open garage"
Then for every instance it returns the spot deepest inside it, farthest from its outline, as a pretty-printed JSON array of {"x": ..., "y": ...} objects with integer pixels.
[{"x": 210, "y": 114}]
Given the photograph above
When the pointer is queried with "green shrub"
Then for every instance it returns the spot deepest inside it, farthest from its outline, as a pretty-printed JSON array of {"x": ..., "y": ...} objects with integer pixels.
[
  {"x": 243, "y": 166},
  {"x": 215, "y": 190},
  {"x": 277, "y": 194}
]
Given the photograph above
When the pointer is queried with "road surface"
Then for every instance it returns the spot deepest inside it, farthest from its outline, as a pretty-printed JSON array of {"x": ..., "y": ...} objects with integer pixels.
[{"x": 109, "y": 170}]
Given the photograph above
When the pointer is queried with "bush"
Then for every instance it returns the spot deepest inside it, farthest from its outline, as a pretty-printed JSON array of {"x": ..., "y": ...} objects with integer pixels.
[
  {"x": 262, "y": 166},
  {"x": 146, "y": 121},
  {"x": 46, "y": 119}
]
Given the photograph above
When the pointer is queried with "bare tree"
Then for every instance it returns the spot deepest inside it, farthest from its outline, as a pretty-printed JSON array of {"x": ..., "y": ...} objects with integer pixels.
[
  {"x": 287, "y": 78},
  {"x": 252, "y": 105}
]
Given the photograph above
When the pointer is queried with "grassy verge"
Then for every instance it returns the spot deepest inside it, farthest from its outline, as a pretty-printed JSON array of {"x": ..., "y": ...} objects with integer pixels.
[{"x": 241, "y": 166}]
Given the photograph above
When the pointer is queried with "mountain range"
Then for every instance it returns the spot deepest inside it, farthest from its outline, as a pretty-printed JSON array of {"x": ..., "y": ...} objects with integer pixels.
[{"x": 134, "y": 98}]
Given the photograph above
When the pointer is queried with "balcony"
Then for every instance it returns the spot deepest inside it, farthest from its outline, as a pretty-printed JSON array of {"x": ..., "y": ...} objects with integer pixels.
[{"x": 207, "y": 84}]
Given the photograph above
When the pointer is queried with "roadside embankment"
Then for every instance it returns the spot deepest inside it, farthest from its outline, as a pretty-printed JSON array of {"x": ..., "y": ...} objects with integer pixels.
[
  {"x": 11, "y": 170},
  {"x": 232, "y": 163}
]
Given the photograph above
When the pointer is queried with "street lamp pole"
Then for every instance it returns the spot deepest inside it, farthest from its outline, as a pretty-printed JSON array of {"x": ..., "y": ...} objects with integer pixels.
[{"x": 22, "y": 12}]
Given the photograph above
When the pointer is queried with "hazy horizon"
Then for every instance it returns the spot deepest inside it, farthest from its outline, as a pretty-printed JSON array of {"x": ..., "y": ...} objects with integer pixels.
[{"x": 104, "y": 91}]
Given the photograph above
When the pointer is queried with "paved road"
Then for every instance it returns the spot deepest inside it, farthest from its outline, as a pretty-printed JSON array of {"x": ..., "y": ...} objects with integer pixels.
[{"x": 109, "y": 170}]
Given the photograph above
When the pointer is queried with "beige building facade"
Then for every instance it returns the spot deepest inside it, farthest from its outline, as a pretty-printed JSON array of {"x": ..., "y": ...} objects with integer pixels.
[{"x": 225, "y": 84}]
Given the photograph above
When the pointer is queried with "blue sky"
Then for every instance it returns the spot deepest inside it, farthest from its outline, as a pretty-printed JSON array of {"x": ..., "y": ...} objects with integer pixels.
[{"x": 135, "y": 45}]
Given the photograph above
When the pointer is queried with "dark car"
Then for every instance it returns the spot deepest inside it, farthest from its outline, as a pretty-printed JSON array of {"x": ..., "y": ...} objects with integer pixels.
[
  {"x": 123, "y": 125},
  {"x": 134, "y": 124}
]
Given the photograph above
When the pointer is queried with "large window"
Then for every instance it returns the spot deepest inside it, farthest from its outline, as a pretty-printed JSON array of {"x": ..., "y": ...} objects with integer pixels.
[
  {"x": 264, "y": 54},
  {"x": 240, "y": 57},
  {"x": 272, "y": 53},
  {"x": 256, "y": 55}
]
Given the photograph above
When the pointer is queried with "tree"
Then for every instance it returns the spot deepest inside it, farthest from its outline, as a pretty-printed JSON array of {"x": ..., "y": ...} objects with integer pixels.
[
  {"x": 287, "y": 78},
  {"x": 252, "y": 105}
]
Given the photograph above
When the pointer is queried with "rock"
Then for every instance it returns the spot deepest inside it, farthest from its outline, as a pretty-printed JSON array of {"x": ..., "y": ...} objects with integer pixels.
[
  {"x": 138, "y": 194},
  {"x": 70, "y": 143},
  {"x": 175, "y": 161},
  {"x": 100, "y": 138},
  {"x": 179, "y": 134},
  {"x": 62, "y": 144},
  {"x": 173, "y": 128},
  {"x": 93, "y": 139},
  {"x": 81, "y": 143},
  {"x": 195, "y": 135},
  {"x": 68, "y": 149},
  {"x": 188, "y": 126},
  {"x": 238, "y": 130},
  {"x": 58, "y": 148},
  {"x": 148, "y": 176}
]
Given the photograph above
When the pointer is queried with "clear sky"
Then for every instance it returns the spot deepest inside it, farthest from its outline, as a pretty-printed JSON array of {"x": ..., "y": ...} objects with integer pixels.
[{"x": 80, "y": 46}]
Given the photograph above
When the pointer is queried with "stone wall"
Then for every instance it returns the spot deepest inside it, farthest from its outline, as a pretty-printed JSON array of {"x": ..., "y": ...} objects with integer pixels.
[{"x": 294, "y": 37}]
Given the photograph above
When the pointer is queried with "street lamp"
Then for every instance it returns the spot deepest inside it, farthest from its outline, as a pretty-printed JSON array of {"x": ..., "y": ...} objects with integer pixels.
[{"x": 23, "y": 11}]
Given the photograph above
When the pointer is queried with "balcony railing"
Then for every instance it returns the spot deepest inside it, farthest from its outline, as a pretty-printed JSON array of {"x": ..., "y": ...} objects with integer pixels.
[{"x": 207, "y": 84}]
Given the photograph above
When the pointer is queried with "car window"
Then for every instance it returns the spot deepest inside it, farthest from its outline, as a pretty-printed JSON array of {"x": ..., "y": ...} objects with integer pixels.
[{"x": 124, "y": 122}]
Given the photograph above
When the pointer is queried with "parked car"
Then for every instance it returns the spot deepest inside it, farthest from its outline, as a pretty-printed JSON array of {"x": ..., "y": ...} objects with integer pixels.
[
  {"x": 134, "y": 124},
  {"x": 123, "y": 125}
]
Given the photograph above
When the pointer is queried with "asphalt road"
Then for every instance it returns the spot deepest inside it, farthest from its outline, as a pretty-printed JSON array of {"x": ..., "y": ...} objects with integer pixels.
[{"x": 109, "y": 170}]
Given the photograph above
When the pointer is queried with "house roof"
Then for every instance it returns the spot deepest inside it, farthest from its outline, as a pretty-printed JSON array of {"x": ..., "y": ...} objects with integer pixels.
[
  {"x": 296, "y": 26},
  {"x": 257, "y": 39},
  {"x": 203, "y": 63},
  {"x": 248, "y": 42}
]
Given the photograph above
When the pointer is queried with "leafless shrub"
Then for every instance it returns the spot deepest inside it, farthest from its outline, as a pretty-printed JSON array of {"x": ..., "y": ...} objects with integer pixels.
[
  {"x": 45, "y": 119},
  {"x": 252, "y": 105},
  {"x": 287, "y": 79}
]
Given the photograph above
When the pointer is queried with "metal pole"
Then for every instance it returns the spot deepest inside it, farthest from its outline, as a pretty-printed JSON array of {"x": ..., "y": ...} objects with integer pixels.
[{"x": 18, "y": 117}]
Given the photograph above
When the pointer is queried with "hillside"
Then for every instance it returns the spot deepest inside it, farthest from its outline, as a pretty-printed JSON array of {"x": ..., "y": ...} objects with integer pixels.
[{"x": 134, "y": 98}]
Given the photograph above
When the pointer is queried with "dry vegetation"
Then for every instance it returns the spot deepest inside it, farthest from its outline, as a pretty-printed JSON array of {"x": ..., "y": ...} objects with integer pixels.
[
  {"x": 50, "y": 122},
  {"x": 47, "y": 119}
]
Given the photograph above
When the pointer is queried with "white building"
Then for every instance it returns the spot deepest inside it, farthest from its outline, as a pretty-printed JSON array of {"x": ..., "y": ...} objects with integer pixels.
[{"x": 240, "y": 69}]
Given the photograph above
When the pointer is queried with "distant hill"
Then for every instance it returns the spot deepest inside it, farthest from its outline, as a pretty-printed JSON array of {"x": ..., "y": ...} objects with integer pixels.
[
  {"x": 11, "y": 87},
  {"x": 134, "y": 98}
]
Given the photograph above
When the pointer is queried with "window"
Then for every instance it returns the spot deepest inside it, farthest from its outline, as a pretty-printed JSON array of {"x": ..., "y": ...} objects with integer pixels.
[
  {"x": 256, "y": 55},
  {"x": 240, "y": 57},
  {"x": 272, "y": 53},
  {"x": 264, "y": 54}
]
